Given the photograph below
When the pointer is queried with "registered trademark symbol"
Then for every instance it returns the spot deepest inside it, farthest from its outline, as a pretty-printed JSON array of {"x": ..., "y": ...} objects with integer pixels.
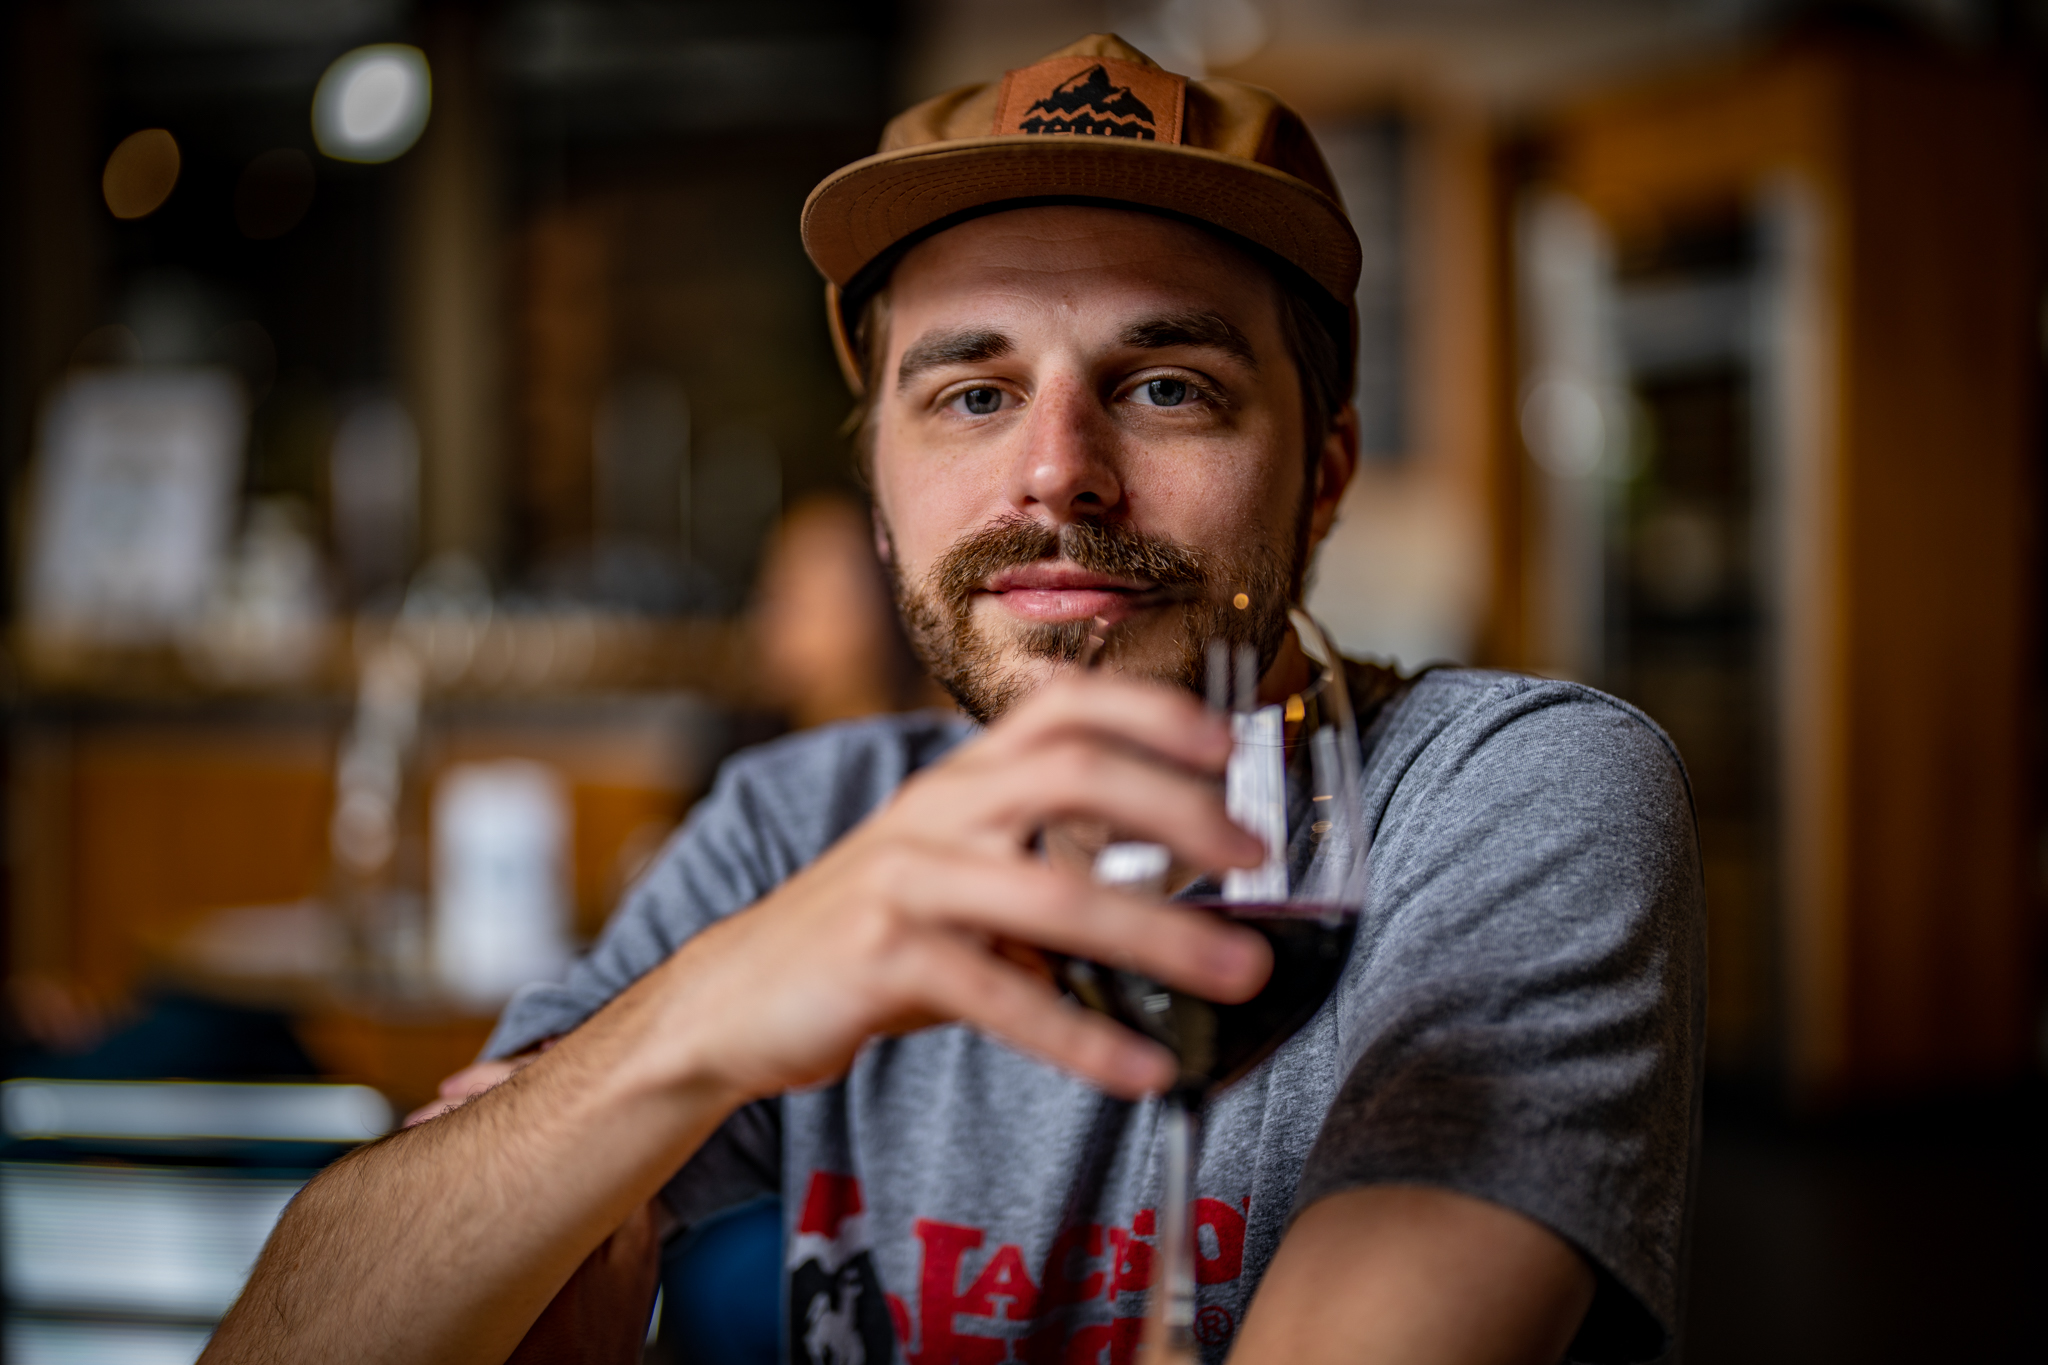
[{"x": 1213, "y": 1325}]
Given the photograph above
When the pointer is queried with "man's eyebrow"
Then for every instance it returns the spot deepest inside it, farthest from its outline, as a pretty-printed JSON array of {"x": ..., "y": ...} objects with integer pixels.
[
  {"x": 1201, "y": 328},
  {"x": 965, "y": 347}
]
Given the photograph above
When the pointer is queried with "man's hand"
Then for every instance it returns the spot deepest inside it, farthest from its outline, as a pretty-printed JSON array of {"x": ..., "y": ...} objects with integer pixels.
[
  {"x": 466, "y": 1085},
  {"x": 904, "y": 922},
  {"x": 443, "y": 1243}
]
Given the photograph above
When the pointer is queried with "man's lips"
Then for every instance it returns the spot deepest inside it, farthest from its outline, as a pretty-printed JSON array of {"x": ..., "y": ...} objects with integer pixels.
[
  {"x": 1066, "y": 592},
  {"x": 1054, "y": 576}
]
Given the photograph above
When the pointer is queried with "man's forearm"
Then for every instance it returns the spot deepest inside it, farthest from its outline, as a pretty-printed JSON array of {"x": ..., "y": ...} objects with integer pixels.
[
  {"x": 1411, "y": 1275},
  {"x": 443, "y": 1242}
]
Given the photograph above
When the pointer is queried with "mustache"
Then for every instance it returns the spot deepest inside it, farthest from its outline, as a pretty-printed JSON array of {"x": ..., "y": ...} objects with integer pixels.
[
  {"x": 987, "y": 675},
  {"x": 1178, "y": 572}
]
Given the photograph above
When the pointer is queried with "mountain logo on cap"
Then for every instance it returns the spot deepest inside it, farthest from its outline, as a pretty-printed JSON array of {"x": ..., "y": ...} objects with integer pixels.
[{"x": 1091, "y": 105}]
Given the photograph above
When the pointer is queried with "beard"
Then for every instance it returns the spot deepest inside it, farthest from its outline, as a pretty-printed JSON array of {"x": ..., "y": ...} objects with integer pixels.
[{"x": 1195, "y": 590}]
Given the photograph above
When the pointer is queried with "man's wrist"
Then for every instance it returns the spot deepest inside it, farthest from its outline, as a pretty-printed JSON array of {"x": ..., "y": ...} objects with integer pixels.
[{"x": 651, "y": 1045}]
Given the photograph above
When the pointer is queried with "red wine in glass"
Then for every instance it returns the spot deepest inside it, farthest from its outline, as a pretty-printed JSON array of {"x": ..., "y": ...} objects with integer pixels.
[{"x": 1217, "y": 1044}]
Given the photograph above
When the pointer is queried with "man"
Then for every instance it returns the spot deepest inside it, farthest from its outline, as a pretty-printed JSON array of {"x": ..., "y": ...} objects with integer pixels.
[{"x": 1096, "y": 317}]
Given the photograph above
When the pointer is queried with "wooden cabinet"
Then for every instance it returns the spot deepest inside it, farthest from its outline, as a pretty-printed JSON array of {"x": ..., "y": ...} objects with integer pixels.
[
  {"x": 1879, "y": 936},
  {"x": 133, "y": 823}
]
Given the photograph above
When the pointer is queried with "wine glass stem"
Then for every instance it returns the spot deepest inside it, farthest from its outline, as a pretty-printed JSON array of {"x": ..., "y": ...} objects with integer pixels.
[{"x": 1170, "y": 1325}]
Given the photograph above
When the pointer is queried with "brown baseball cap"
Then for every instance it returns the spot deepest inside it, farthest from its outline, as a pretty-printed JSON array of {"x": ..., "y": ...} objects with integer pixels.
[{"x": 1097, "y": 121}]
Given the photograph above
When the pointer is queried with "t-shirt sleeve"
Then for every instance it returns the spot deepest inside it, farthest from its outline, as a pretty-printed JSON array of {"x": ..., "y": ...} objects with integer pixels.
[
  {"x": 741, "y": 1161},
  {"x": 1523, "y": 1019}
]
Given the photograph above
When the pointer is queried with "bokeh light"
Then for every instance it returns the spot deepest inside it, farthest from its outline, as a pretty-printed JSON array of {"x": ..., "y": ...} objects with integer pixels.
[
  {"x": 373, "y": 102},
  {"x": 141, "y": 173}
]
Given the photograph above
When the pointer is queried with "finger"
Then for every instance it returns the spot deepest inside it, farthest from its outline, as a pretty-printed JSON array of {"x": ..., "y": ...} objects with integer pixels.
[
  {"x": 429, "y": 1111},
  {"x": 1077, "y": 780},
  {"x": 479, "y": 1077},
  {"x": 1153, "y": 716},
  {"x": 957, "y": 979},
  {"x": 1081, "y": 779},
  {"x": 464, "y": 1085},
  {"x": 1031, "y": 903}
]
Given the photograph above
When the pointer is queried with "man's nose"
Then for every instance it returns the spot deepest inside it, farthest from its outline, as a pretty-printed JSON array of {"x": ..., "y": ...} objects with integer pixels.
[{"x": 1069, "y": 462}]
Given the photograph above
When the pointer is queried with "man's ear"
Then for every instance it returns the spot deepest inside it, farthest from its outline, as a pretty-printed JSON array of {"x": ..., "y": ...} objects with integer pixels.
[
  {"x": 1339, "y": 461},
  {"x": 885, "y": 544}
]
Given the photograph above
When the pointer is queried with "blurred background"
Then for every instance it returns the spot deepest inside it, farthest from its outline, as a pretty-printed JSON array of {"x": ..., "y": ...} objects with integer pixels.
[{"x": 423, "y": 460}]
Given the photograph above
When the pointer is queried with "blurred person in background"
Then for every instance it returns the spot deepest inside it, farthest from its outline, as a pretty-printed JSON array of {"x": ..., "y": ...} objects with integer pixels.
[
  {"x": 826, "y": 642},
  {"x": 1098, "y": 317}
]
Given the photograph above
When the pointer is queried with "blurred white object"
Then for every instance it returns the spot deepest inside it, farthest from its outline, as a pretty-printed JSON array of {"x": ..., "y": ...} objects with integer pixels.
[
  {"x": 1574, "y": 419},
  {"x": 175, "y": 1110},
  {"x": 133, "y": 499},
  {"x": 1140, "y": 866},
  {"x": 388, "y": 919},
  {"x": 140, "y": 1240},
  {"x": 370, "y": 774},
  {"x": 58, "y": 1341},
  {"x": 1255, "y": 794},
  {"x": 1564, "y": 426},
  {"x": 501, "y": 885},
  {"x": 373, "y": 103}
]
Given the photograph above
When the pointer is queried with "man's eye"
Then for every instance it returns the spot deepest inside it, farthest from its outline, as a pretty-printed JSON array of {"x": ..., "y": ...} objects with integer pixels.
[
  {"x": 1164, "y": 393},
  {"x": 981, "y": 402}
]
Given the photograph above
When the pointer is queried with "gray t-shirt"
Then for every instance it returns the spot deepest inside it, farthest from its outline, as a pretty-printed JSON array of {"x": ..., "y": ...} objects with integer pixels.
[{"x": 1520, "y": 1020}]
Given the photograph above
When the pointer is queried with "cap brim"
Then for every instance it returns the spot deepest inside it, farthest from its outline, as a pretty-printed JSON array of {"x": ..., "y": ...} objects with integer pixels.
[{"x": 863, "y": 209}]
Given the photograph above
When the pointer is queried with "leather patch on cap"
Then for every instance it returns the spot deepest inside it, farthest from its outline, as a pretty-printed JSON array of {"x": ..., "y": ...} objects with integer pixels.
[{"x": 1092, "y": 97}]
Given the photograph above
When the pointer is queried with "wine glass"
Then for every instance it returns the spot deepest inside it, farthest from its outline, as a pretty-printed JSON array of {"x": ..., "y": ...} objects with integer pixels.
[{"x": 1293, "y": 779}]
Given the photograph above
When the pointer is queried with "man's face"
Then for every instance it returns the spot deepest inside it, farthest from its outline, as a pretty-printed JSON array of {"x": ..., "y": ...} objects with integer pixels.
[{"x": 1088, "y": 413}]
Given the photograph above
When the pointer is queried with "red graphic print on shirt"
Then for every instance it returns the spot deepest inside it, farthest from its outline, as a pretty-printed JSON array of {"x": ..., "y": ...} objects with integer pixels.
[{"x": 981, "y": 1304}]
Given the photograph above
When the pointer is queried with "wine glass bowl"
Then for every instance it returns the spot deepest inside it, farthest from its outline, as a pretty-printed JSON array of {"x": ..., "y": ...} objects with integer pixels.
[{"x": 1216, "y": 1044}]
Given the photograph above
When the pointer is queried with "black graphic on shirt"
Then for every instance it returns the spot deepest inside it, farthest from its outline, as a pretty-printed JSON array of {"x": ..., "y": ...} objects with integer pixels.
[
  {"x": 1088, "y": 104},
  {"x": 839, "y": 1318}
]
